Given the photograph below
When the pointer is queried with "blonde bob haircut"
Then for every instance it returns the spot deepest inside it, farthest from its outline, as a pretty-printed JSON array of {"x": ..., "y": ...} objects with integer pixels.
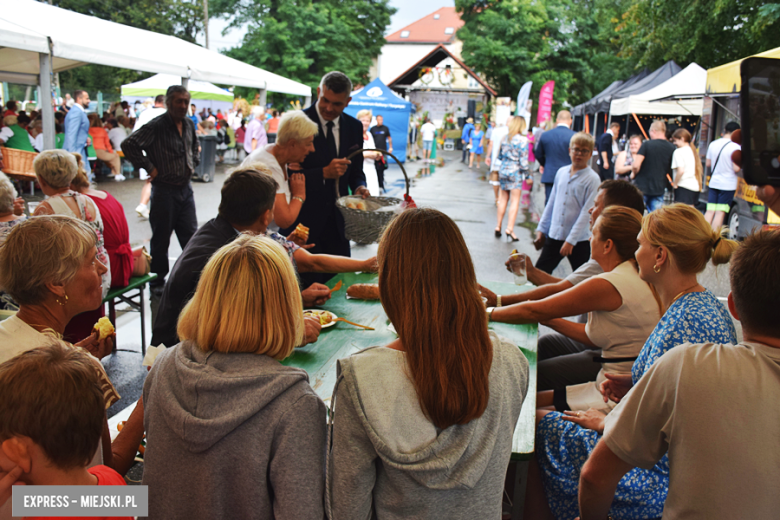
[
  {"x": 56, "y": 167},
  {"x": 295, "y": 126},
  {"x": 364, "y": 113},
  {"x": 690, "y": 240},
  {"x": 49, "y": 249},
  {"x": 583, "y": 139},
  {"x": 247, "y": 300},
  {"x": 517, "y": 125}
]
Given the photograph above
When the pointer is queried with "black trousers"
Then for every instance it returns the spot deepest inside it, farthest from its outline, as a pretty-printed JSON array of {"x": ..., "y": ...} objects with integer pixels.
[
  {"x": 564, "y": 362},
  {"x": 548, "y": 186},
  {"x": 380, "y": 172},
  {"x": 172, "y": 209},
  {"x": 465, "y": 153},
  {"x": 551, "y": 255},
  {"x": 686, "y": 196}
]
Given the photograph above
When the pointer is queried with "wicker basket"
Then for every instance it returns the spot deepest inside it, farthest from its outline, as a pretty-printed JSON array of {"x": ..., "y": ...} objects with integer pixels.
[
  {"x": 365, "y": 227},
  {"x": 18, "y": 163}
]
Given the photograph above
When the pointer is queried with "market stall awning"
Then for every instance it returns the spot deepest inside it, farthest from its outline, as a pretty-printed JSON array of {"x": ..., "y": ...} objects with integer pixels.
[
  {"x": 688, "y": 82},
  {"x": 79, "y": 39},
  {"x": 159, "y": 83},
  {"x": 726, "y": 78}
]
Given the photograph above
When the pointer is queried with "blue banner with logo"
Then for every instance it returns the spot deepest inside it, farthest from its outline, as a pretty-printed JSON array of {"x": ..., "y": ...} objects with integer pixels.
[{"x": 394, "y": 109}]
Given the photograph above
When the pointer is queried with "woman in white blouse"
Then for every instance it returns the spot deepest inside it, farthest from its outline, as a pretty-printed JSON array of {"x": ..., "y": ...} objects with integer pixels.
[
  {"x": 687, "y": 168},
  {"x": 369, "y": 169}
]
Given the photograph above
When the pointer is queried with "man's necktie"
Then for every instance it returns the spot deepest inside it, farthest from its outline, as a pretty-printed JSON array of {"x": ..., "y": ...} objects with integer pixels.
[{"x": 331, "y": 140}]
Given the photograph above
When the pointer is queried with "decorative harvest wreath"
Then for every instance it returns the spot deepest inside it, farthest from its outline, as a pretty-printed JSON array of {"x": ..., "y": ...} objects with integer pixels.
[
  {"x": 446, "y": 76},
  {"x": 426, "y": 75}
]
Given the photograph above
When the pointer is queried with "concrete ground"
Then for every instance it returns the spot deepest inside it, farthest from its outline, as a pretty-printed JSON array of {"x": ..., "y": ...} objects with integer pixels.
[{"x": 453, "y": 188}]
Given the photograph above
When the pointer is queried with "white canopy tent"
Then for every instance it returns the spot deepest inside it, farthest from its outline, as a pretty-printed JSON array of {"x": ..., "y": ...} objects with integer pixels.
[
  {"x": 204, "y": 94},
  {"x": 38, "y": 39},
  {"x": 689, "y": 81}
]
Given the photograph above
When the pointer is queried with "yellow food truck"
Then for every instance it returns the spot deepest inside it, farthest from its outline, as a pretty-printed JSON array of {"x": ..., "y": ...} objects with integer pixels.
[{"x": 721, "y": 105}]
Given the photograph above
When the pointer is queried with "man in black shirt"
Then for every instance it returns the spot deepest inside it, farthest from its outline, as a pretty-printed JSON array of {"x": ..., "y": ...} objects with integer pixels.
[
  {"x": 383, "y": 141},
  {"x": 605, "y": 148},
  {"x": 652, "y": 164},
  {"x": 167, "y": 147}
]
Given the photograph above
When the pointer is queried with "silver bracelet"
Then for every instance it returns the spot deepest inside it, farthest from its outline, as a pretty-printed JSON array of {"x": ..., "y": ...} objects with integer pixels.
[{"x": 295, "y": 197}]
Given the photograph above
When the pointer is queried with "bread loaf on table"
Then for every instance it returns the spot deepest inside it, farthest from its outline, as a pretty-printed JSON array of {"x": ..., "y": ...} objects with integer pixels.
[{"x": 364, "y": 291}]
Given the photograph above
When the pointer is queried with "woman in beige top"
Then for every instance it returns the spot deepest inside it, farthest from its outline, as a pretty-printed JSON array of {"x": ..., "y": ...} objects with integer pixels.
[{"x": 623, "y": 309}]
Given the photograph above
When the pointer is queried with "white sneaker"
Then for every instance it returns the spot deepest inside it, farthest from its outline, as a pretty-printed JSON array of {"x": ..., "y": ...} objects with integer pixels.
[
  {"x": 142, "y": 211},
  {"x": 119, "y": 177}
]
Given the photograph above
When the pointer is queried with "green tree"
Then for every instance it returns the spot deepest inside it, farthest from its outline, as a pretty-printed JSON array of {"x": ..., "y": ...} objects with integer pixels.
[
  {"x": 513, "y": 41},
  {"x": 304, "y": 39},
  {"x": 708, "y": 32}
]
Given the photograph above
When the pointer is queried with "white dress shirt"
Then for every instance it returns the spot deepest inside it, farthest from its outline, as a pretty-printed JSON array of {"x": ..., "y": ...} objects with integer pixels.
[{"x": 324, "y": 123}]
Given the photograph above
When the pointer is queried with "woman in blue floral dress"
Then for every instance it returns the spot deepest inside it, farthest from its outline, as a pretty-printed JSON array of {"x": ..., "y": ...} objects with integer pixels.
[
  {"x": 513, "y": 156},
  {"x": 674, "y": 246}
]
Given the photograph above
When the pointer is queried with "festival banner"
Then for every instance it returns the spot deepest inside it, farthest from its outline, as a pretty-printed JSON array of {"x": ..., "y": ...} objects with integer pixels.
[
  {"x": 522, "y": 100},
  {"x": 545, "y": 103}
]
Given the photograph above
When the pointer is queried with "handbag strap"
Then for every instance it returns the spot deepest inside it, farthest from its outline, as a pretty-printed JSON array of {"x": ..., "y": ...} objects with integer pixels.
[{"x": 717, "y": 159}]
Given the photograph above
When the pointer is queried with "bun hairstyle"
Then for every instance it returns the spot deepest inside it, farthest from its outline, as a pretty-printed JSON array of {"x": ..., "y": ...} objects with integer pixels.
[
  {"x": 621, "y": 225},
  {"x": 691, "y": 242}
]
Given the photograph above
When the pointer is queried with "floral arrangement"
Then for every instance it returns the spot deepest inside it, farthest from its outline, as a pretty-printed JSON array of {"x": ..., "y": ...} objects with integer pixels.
[{"x": 426, "y": 75}]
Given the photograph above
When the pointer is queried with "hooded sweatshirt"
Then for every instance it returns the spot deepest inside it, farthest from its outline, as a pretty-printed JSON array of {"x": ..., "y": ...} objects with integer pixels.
[
  {"x": 389, "y": 461},
  {"x": 233, "y": 435}
]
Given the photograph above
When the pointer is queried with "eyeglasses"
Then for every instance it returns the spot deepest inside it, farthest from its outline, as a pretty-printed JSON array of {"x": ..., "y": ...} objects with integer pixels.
[{"x": 580, "y": 151}]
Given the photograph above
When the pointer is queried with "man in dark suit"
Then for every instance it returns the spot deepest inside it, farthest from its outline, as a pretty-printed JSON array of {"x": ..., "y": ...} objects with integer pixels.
[
  {"x": 552, "y": 152},
  {"x": 329, "y": 175},
  {"x": 606, "y": 146}
]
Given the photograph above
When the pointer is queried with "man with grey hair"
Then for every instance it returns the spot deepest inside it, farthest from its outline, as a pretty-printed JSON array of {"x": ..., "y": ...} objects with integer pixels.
[
  {"x": 329, "y": 174},
  {"x": 255, "y": 136},
  {"x": 167, "y": 147}
]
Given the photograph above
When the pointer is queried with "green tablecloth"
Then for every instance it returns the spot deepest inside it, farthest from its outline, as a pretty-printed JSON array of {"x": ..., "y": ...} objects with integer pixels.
[{"x": 341, "y": 340}]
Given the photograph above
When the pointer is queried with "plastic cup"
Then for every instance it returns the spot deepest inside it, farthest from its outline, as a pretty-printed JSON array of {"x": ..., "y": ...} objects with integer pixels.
[{"x": 517, "y": 266}]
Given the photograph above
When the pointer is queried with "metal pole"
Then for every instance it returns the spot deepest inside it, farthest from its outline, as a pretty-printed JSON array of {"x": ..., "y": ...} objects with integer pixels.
[
  {"x": 206, "y": 21},
  {"x": 307, "y": 101},
  {"x": 99, "y": 104},
  {"x": 47, "y": 110},
  {"x": 263, "y": 97},
  {"x": 185, "y": 82}
]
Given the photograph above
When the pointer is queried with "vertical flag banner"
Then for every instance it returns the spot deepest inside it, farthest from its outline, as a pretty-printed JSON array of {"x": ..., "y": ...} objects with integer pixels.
[
  {"x": 545, "y": 103},
  {"x": 522, "y": 99}
]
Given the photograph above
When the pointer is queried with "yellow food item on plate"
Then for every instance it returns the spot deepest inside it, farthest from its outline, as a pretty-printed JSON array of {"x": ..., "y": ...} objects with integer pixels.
[
  {"x": 324, "y": 316},
  {"x": 104, "y": 327}
]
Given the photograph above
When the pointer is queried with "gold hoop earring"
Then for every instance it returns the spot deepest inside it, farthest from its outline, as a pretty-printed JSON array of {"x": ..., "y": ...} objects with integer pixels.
[
  {"x": 61, "y": 304},
  {"x": 656, "y": 268}
]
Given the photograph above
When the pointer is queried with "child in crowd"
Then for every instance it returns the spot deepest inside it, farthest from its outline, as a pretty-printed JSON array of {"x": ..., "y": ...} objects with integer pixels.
[
  {"x": 49, "y": 433},
  {"x": 564, "y": 228}
]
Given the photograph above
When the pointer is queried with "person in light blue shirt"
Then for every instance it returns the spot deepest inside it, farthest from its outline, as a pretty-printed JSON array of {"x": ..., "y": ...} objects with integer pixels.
[
  {"x": 564, "y": 228},
  {"x": 465, "y": 137}
]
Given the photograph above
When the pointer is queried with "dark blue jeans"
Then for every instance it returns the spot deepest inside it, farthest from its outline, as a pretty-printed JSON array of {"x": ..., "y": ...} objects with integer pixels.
[
  {"x": 652, "y": 202},
  {"x": 172, "y": 209}
]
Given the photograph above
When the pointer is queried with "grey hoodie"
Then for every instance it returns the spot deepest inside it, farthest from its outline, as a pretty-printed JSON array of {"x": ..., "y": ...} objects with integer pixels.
[
  {"x": 232, "y": 436},
  {"x": 388, "y": 461}
]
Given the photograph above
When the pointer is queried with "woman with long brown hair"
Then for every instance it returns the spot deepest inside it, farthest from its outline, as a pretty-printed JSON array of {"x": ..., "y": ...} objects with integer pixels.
[
  {"x": 423, "y": 426},
  {"x": 687, "y": 168}
]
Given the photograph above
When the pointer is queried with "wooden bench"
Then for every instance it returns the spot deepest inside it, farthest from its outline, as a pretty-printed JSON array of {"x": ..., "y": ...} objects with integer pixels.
[
  {"x": 342, "y": 340},
  {"x": 133, "y": 295}
]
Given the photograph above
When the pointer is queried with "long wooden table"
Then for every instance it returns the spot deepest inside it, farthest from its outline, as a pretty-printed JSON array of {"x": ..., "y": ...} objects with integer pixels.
[{"x": 342, "y": 340}]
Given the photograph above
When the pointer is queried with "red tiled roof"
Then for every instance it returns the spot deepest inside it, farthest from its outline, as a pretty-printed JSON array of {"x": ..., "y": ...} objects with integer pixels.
[{"x": 429, "y": 29}]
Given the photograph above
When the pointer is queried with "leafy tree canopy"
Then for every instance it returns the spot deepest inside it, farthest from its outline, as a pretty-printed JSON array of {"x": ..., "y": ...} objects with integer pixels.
[
  {"x": 304, "y": 39},
  {"x": 584, "y": 45}
]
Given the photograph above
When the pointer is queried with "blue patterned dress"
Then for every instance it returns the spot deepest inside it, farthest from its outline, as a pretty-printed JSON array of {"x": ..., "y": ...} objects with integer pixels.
[
  {"x": 562, "y": 447},
  {"x": 514, "y": 162}
]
